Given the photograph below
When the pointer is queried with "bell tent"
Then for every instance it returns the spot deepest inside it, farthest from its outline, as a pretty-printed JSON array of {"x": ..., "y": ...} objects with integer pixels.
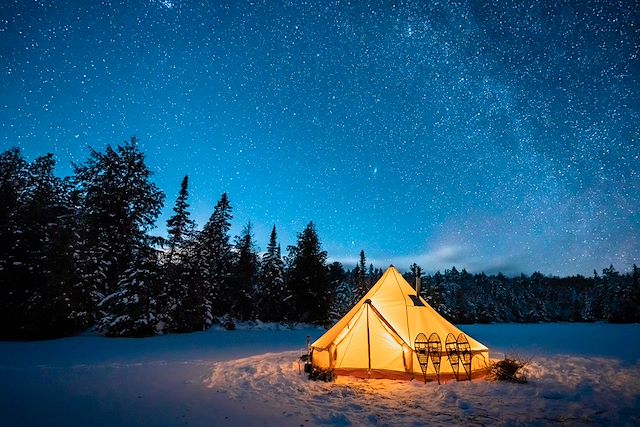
[{"x": 393, "y": 333}]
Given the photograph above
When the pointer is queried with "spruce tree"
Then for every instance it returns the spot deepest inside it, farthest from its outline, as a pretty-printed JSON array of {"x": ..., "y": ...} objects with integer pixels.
[
  {"x": 37, "y": 265},
  {"x": 132, "y": 311},
  {"x": 188, "y": 301},
  {"x": 180, "y": 227},
  {"x": 245, "y": 277},
  {"x": 536, "y": 298},
  {"x": 182, "y": 301},
  {"x": 13, "y": 182},
  {"x": 616, "y": 295},
  {"x": 416, "y": 273},
  {"x": 633, "y": 303},
  {"x": 119, "y": 205},
  {"x": 311, "y": 293},
  {"x": 49, "y": 237},
  {"x": 272, "y": 292},
  {"x": 362, "y": 284},
  {"x": 435, "y": 293},
  {"x": 342, "y": 299},
  {"x": 214, "y": 262}
]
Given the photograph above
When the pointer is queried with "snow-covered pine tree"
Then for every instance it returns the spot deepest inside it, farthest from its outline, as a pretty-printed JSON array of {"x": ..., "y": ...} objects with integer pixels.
[
  {"x": 97, "y": 253},
  {"x": 132, "y": 310},
  {"x": 586, "y": 311},
  {"x": 362, "y": 281},
  {"x": 214, "y": 261},
  {"x": 271, "y": 291},
  {"x": 600, "y": 296},
  {"x": 180, "y": 227},
  {"x": 93, "y": 261},
  {"x": 518, "y": 299},
  {"x": 535, "y": 296},
  {"x": 36, "y": 267},
  {"x": 119, "y": 205},
  {"x": 467, "y": 298},
  {"x": 414, "y": 271},
  {"x": 341, "y": 301},
  {"x": 344, "y": 300},
  {"x": 629, "y": 296},
  {"x": 182, "y": 294},
  {"x": 307, "y": 279},
  {"x": 451, "y": 295},
  {"x": 189, "y": 307},
  {"x": 634, "y": 285},
  {"x": 245, "y": 268},
  {"x": 374, "y": 275},
  {"x": 13, "y": 182},
  {"x": 485, "y": 300},
  {"x": 502, "y": 288},
  {"x": 433, "y": 292},
  {"x": 618, "y": 302},
  {"x": 49, "y": 234},
  {"x": 14, "y": 175}
]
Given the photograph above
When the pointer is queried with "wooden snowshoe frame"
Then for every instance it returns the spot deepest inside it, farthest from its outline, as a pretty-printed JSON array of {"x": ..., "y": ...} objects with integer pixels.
[
  {"x": 464, "y": 353},
  {"x": 434, "y": 349},
  {"x": 421, "y": 347},
  {"x": 451, "y": 346}
]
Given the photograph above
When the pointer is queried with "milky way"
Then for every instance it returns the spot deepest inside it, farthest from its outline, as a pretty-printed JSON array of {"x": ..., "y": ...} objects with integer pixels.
[{"x": 499, "y": 137}]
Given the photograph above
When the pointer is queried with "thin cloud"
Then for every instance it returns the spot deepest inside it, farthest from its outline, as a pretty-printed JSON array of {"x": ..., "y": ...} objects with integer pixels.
[{"x": 445, "y": 257}]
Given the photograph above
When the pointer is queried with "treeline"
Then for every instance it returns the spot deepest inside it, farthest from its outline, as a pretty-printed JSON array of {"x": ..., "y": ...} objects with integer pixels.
[
  {"x": 462, "y": 297},
  {"x": 477, "y": 298},
  {"x": 76, "y": 252}
]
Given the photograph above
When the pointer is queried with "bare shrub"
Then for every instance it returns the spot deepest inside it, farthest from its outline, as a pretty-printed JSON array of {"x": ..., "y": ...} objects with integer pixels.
[
  {"x": 326, "y": 375},
  {"x": 509, "y": 369}
]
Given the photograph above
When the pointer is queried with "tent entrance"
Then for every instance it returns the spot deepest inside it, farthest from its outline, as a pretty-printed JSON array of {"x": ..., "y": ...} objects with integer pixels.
[{"x": 386, "y": 349}]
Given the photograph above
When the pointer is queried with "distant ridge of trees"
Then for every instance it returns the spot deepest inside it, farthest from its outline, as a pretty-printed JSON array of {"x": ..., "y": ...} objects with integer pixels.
[
  {"x": 479, "y": 298},
  {"x": 76, "y": 252}
]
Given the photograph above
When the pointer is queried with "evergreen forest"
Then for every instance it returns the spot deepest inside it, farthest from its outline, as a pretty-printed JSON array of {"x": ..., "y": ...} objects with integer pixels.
[{"x": 77, "y": 253}]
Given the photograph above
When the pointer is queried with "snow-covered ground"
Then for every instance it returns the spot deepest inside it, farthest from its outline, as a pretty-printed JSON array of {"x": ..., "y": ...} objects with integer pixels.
[{"x": 580, "y": 374}]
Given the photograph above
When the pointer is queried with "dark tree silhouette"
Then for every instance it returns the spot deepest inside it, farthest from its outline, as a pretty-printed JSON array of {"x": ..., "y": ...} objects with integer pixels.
[
  {"x": 311, "y": 293},
  {"x": 180, "y": 227},
  {"x": 271, "y": 290},
  {"x": 245, "y": 277},
  {"x": 214, "y": 262},
  {"x": 119, "y": 205}
]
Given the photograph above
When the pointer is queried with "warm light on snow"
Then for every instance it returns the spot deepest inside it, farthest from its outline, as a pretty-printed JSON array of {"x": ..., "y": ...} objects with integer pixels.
[{"x": 560, "y": 389}]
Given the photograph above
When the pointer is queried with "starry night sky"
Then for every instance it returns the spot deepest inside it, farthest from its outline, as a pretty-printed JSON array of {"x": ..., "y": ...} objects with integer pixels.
[{"x": 496, "y": 137}]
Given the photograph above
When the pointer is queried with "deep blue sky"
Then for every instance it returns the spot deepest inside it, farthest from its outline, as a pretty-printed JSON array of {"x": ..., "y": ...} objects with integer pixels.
[{"x": 496, "y": 137}]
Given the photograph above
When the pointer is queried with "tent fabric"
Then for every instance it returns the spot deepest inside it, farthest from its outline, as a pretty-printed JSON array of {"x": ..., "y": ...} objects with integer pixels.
[{"x": 375, "y": 338}]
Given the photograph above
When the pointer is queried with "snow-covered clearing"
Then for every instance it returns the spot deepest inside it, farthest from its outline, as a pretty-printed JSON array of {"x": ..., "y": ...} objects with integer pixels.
[{"x": 579, "y": 374}]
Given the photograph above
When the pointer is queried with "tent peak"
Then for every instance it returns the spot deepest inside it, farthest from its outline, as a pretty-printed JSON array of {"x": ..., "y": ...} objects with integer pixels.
[{"x": 393, "y": 268}]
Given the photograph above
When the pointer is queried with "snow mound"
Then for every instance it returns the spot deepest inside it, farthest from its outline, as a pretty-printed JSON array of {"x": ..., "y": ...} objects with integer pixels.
[{"x": 561, "y": 389}]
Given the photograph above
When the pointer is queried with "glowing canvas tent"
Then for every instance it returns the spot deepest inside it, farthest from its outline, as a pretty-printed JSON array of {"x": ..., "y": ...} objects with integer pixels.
[{"x": 375, "y": 339}]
